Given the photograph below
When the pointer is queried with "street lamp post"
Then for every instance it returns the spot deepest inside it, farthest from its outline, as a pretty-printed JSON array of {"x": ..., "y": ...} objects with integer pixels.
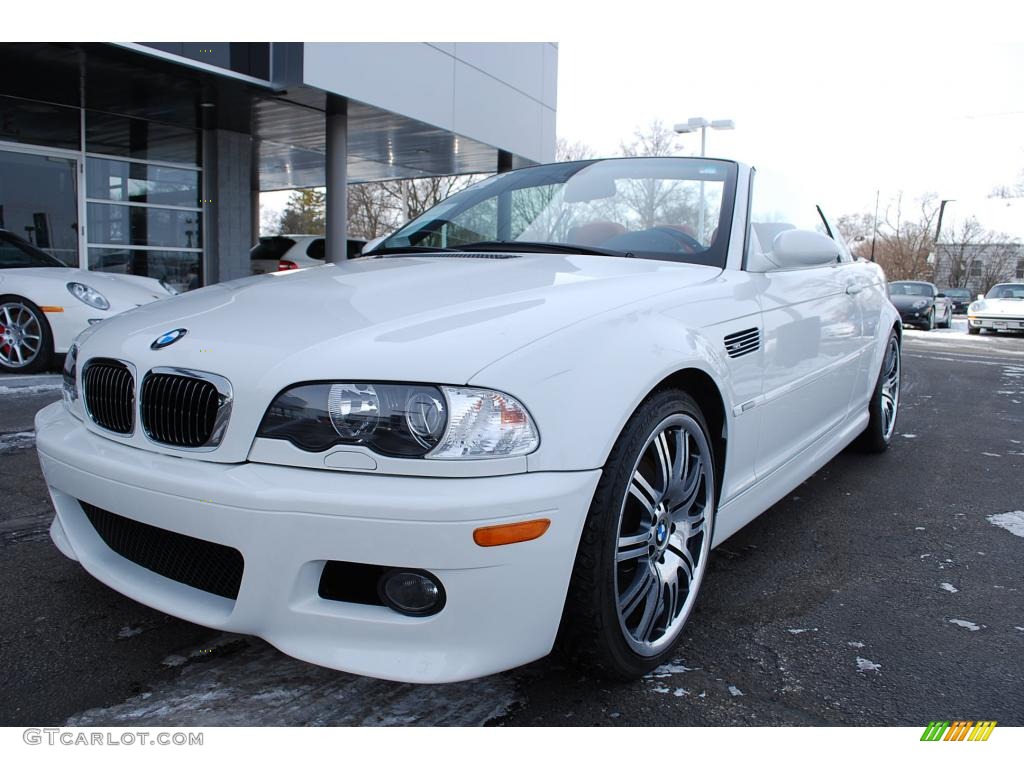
[
  {"x": 938, "y": 231},
  {"x": 692, "y": 126}
]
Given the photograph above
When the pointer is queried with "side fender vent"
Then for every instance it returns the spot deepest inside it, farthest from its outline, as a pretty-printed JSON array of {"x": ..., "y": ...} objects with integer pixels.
[{"x": 743, "y": 343}]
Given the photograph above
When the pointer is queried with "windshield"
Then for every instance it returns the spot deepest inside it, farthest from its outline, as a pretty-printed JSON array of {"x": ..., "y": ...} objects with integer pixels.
[
  {"x": 677, "y": 209},
  {"x": 911, "y": 289},
  {"x": 1007, "y": 291},
  {"x": 958, "y": 293},
  {"x": 18, "y": 253}
]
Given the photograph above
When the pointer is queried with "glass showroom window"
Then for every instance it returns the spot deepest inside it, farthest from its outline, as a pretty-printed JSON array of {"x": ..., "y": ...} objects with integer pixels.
[{"x": 144, "y": 213}]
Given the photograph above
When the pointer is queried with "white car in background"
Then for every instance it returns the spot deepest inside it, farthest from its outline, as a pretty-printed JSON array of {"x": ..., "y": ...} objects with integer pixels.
[
  {"x": 279, "y": 253},
  {"x": 1001, "y": 309},
  {"x": 527, "y": 416},
  {"x": 44, "y": 303}
]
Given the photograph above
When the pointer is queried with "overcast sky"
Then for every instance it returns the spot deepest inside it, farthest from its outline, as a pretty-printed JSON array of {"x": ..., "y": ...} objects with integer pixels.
[{"x": 850, "y": 114}]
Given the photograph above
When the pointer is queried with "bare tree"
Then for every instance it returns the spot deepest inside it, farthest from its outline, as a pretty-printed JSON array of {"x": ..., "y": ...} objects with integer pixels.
[
  {"x": 572, "y": 150},
  {"x": 656, "y": 140},
  {"x": 1015, "y": 189},
  {"x": 857, "y": 230},
  {"x": 906, "y": 242},
  {"x": 965, "y": 243},
  {"x": 999, "y": 261}
]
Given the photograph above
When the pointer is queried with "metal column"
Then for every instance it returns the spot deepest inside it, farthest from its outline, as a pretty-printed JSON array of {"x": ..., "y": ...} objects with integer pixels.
[{"x": 337, "y": 179}]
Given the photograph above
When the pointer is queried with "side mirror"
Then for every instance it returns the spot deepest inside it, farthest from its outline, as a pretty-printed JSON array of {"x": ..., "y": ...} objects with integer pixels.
[
  {"x": 799, "y": 248},
  {"x": 372, "y": 244}
]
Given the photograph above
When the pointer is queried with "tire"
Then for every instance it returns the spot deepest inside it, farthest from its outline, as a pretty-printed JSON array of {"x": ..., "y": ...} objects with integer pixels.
[
  {"x": 949, "y": 319},
  {"x": 26, "y": 341},
  {"x": 643, "y": 552},
  {"x": 930, "y": 325},
  {"x": 885, "y": 400},
  {"x": 972, "y": 331}
]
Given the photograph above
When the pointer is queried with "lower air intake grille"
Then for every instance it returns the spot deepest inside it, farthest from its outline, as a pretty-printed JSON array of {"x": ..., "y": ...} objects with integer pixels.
[
  {"x": 110, "y": 394},
  {"x": 198, "y": 563},
  {"x": 179, "y": 410},
  {"x": 743, "y": 342}
]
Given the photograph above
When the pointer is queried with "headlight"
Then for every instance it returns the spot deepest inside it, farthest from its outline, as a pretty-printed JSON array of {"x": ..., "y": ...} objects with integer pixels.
[
  {"x": 88, "y": 295},
  {"x": 402, "y": 420},
  {"x": 920, "y": 304},
  {"x": 976, "y": 306},
  {"x": 69, "y": 387}
]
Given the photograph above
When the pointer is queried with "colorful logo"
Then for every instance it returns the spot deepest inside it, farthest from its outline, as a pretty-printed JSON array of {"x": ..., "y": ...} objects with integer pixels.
[
  {"x": 168, "y": 338},
  {"x": 958, "y": 730}
]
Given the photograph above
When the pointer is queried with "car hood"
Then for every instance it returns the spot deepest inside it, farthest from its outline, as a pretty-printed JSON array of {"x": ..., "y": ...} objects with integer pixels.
[
  {"x": 120, "y": 290},
  {"x": 901, "y": 301},
  {"x": 1011, "y": 307},
  {"x": 437, "y": 318}
]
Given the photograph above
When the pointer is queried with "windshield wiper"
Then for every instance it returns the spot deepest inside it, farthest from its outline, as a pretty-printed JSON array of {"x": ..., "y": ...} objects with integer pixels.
[{"x": 541, "y": 247}]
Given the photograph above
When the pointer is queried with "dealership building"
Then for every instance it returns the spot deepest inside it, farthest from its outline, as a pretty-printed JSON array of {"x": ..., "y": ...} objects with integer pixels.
[{"x": 148, "y": 158}]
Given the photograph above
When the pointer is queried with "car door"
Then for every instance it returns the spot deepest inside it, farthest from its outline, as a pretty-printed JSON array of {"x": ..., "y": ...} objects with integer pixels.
[{"x": 813, "y": 335}]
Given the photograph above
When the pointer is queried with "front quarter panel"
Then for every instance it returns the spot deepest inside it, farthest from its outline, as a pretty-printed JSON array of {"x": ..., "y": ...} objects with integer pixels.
[{"x": 583, "y": 383}]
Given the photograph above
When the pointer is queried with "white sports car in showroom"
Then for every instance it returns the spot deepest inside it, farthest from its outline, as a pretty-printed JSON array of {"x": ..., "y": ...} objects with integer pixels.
[
  {"x": 1001, "y": 309},
  {"x": 525, "y": 418},
  {"x": 44, "y": 303}
]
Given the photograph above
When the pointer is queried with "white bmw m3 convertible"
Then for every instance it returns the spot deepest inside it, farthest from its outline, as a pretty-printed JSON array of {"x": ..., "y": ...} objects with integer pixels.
[{"x": 524, "y": 421}]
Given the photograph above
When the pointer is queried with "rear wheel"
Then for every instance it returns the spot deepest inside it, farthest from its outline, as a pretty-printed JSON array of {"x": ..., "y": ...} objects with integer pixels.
[
  {"x": 645, "y": 543},
  {"x": 885, "y": 401},
  {"x": 26, "y": 343}
]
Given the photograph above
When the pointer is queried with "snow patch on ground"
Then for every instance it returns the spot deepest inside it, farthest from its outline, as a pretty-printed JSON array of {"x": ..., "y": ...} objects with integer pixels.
[
  {"x": 994, "y": 455},
  {"x": 735, "y": 691},
  {"x": 247, "y": 682},
  {"x": 1011, "y": 521},
  {"x": 15, "y": 441},
  {"x": 864, "y": 665},
  {"x": 948, "y": 587},
  {"x": 855, "y": 644},
  {"x": 31, "y": 389},
  {"x": 800, "y": 631},
  {"x": 968, "y": 625},
  {"x": 919, "y": 528},
  {"x": 909, "y": 436},
  {"x": 127, "y": 632},
  {"x": 667, "y": 670}
]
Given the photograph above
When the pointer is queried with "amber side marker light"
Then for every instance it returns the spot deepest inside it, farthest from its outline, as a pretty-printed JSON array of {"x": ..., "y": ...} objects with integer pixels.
[
  {"x": 52, "y": 309},
  {"x": 512, "y": 533}
]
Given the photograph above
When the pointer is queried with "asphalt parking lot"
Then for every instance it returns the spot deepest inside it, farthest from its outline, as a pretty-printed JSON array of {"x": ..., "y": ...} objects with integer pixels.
[{"x": 887, "y": 590}]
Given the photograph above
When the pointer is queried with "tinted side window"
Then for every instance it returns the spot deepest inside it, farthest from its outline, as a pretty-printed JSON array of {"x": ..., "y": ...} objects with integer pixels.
[
  {"x": 316, "y": 249},
  {"x": 271, "y": 248}
]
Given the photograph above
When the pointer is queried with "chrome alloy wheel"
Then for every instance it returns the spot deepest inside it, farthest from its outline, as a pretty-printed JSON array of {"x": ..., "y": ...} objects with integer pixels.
[
  {"x": 890, "y": 393},
  {"x": 21, "y": 336},
  {"x": 664, "y": 534}
]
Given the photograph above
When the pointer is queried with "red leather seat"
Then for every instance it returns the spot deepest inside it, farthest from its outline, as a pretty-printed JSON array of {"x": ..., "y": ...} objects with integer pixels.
[{"x": 594, "y": 232}]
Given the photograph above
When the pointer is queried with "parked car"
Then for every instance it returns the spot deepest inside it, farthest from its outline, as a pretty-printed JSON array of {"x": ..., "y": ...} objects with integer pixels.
[
  {"x": 278, "y": 253},
  {"x": 960, "y": 298},
  {"x": 1001, "y": 309},
  {"x": 920, "y": 303},
  {"x": 44, "y": 304},
  {"x": 525, "y": 418}
]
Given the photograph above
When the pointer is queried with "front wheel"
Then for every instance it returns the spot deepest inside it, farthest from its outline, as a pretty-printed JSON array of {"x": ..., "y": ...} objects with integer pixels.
[
  {"x": 930, "y": 322},
  {"x": 26, "y": 343},
  {"x": 645, "y": 544},
  {"x": 885, "y": 400},
  {"x": 972, "y": 331}
]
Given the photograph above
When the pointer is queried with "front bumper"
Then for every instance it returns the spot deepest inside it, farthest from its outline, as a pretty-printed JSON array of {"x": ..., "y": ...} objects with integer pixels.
[
  {"x": 996, "y": 322},
  {"x": 914, "y": 316},
  {"x": 503, "y": 603}
]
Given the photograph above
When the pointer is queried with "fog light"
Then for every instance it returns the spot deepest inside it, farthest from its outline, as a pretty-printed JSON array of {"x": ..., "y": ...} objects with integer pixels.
[{"x": 413, "y": 593}]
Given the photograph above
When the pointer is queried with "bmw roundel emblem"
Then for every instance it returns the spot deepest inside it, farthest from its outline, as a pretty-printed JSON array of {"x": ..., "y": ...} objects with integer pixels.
[{"x": 168, "y": 338}]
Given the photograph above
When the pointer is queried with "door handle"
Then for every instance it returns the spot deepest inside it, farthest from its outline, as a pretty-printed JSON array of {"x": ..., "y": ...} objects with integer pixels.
[{"x": 853, "y": 289}]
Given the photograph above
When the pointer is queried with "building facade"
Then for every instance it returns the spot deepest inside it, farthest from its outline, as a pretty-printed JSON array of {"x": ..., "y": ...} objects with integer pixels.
[
  {"x": 148, "y": 158},
  {"x": 978, "y": 267}
]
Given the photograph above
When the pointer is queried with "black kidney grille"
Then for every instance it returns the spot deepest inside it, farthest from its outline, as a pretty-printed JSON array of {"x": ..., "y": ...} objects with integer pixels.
[
  {"x": 110, "y": 394},
  {"x": 179, "y": 410},
  {"x": 202, "y": 564},
  {"x": 742, "y": 342}
]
